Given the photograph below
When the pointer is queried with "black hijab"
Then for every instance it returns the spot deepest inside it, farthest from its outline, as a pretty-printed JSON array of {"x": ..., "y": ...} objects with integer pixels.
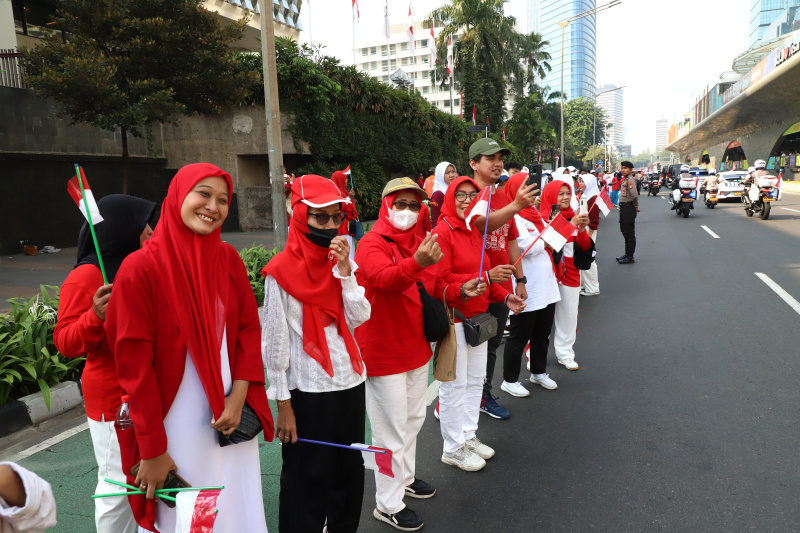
[{"x": 124, "y": 220}]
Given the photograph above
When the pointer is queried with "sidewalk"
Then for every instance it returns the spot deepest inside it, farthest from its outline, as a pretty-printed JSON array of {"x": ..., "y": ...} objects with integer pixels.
[{"x": 21, "y": 275}]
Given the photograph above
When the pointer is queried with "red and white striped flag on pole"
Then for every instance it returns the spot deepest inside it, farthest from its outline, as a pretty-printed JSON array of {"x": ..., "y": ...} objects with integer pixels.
[
  {"x": 379, "y": 460},
  {"x": 196, "y": 511},
  {"x": 356, "y": 15},
  {"x": 603, "y": 202},
  {"x": 504, "y": 133},
  {"x": 473, "y": 115},
  {"x": 410, "y": 32},
  {"x": 432, "y": 46},
  {"x": 558, "y": 232},
  {"x": 479, "y": 206},
  {"x": 450, "y": 56},
  {"x": 74, "y": 189},
  {"x": 386, "y": 19}
]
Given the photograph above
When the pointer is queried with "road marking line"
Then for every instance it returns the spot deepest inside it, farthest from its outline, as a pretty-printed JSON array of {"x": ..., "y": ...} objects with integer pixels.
[
  {"x": 785, "y": 296},
  {"x": 795, "y": 210},
  {"x": 432, "y": 393},
  {"x": 52, "y": 441},
  {"x": 710, "y": 232}
]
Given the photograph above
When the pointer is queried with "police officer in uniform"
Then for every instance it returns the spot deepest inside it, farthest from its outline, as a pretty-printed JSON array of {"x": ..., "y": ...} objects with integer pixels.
[{"x": 628, "y": 207}]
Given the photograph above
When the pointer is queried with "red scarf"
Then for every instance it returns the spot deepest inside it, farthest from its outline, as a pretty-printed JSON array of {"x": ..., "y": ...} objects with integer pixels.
[
  {"x": 550, "y": 198},
  {"x": 194, "y": 276},
  {"x": 449, "y": 213},
  {"x": 339, "y": 179},
  {"x": 303, "y": 270},
  {"x": 529, "y": 213}
]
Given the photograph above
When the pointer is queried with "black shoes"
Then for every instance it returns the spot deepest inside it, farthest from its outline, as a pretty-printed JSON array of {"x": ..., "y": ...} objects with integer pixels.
[
  {"x": 420, "y": 489},
  {"x": 624, "y": 260},
  {"x": 405, "y": 520},
  {"x": 620, "y": 258}
]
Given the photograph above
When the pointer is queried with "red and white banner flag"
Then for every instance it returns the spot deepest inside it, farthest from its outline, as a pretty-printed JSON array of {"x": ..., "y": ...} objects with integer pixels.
[
  {"x": 380, "y": 462},
  {"x": 74, "y": 189},
  {"x": 432, "y": 46},
  {"x": 556, "y": 162},
  {"x": 479, "y": 206},
  {"x": 196, "y": 511},
  {"x": 603, "y": 202},
  {"x": 450, "y": 56},
  {"x": 558, "y": 232},
  {"x": 347, "y": 171},
  {"x": 386, "y": 31},
  {"x": 504, "y": 133},
  {"x": 473, "y": 115},
  {"x": 356, "y": 16},
  {"x": 410, "y": 31}
]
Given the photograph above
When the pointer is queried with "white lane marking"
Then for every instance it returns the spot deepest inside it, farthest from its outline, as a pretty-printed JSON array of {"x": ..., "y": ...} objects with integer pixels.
[
  {"x": 710, "y": 232},
  {"x": 52, "y": 441},
  {"x": 785, "y": 296},
  {"x": 432, "y": 393},
  {"x": 795, "y": 210}
]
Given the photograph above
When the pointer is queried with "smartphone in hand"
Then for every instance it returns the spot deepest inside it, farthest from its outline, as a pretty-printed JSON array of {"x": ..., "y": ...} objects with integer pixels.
[
  {"x": 173, "y": 481},
  {"x": 584, "y": 206}
]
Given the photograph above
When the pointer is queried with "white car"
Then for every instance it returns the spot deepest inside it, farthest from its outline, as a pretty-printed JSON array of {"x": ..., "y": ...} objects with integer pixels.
[{"x": 730, "y": 185}]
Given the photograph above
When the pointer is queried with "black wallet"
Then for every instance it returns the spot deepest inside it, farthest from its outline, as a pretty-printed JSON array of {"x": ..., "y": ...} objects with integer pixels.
[{"x": 249, "y": 427}]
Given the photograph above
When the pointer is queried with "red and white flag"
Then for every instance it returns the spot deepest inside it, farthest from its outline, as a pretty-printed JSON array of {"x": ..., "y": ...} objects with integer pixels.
[
  {"x": 558, "y": 232},
  {"x": 356, "y": 16},
  {"x": 410, "y": 31},
  {"x": 386, "y": 32},
  {"x": 539, "y": 157},
  {"x": 432, "y": 46},
  {"x": 504, "y": 133},
  {"x": 379, "y": 460},
  {"x": 74, "y": 189},
  {"x": 450, "y": 55},
  {"x": 556, "y": 162},
  {"x": 196, "y": 511},
  {"x": 603, "y": 202},
  {"x": 473, "y": 115},
  {"x": 479, "y": 206},
  {"x": 347, "y": 171}
]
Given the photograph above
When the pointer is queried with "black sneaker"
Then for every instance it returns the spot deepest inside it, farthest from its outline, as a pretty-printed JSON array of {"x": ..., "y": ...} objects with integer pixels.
[
  {"x": 626, "y": 260},
  {"x": 405, "y": 520},
  {"x": 420, "y": 489}
]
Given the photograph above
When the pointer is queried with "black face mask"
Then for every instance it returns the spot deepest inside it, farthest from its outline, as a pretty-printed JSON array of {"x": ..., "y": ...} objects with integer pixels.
[{"x": 321, "y": 237}]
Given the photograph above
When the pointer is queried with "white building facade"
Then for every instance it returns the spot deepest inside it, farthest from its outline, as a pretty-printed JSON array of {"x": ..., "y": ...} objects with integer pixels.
[{"x": 611, "y": 103}]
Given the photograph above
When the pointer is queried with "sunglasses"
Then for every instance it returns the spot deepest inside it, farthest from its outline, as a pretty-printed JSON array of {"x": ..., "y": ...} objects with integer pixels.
[
  {"x": 323, "y": 218},
  {"x": 402, "y": 205},
  {"x": 461, "y": 195}
]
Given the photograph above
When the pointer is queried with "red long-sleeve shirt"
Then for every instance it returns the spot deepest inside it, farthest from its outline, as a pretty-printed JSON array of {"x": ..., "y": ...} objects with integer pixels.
[
  {"x": 80, "y": 332},
  {"x": 570, "y": 276}
]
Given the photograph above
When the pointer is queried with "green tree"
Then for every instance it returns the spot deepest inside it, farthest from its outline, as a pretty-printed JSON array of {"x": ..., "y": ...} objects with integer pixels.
[
  {"x": 528, "y": 128},
  {"x": 581, "y": 115},
  {"x": 129, "y": 64}
]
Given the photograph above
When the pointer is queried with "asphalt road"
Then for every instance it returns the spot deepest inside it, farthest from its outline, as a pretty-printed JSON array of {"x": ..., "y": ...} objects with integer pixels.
[{"x": 682, "y": 418}]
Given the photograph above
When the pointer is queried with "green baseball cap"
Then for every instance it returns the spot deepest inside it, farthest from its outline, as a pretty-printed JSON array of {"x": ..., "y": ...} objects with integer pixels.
[
  {"x": 398, "y": 184},
  {"x": 486, "y": 146}
]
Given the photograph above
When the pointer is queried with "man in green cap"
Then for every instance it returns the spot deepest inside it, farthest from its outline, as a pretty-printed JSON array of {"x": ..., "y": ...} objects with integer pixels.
[{"x": 486, "y": 160}]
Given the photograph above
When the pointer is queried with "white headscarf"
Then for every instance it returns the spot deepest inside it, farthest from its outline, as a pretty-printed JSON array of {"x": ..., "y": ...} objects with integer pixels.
[
  {"x": 439, "y": 184},
  {"x": 592, "y": 189}
]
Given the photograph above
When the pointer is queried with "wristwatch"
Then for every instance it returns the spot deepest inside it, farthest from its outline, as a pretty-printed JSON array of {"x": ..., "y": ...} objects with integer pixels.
[
  {"x": 464, "y": 296},
  {"x": 523, "y": 279}
]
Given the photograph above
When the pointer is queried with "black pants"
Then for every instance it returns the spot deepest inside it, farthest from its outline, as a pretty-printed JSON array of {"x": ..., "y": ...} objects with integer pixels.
[
  {"x": 319, "y": 482},
  {"x": 627, "y": 225},
  {"x": 500, "y": 312},
  {"x": 533, "y": 327}
]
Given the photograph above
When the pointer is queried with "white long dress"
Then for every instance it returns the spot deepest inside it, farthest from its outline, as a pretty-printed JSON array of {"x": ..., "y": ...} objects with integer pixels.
[{"x": 194, "y": 446}]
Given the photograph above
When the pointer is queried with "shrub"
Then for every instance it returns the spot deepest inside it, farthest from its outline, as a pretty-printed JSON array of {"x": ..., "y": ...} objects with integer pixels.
[
  {"x": 255, "y": 258},
  {"x": 29, "y": 360}
]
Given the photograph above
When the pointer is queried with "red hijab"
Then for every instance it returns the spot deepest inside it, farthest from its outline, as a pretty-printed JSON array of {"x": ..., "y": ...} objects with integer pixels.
[
  {"x": 303, "y": 270},
  {"x": 529, "y": 213},
  {"x": 193, "y": 273},
  {"x": 339, "y": 179},
  {"x": 550, "y": 198},
  {"x": 449, "y": 211}
]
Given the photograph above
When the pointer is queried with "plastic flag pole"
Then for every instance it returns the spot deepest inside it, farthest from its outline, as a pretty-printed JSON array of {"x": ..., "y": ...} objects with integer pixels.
[
  {"x": 528, "y": 249},
  {"x": 79, "y": 174},
  {"x": 485, "y": 234},
  {"x": 339, "y": 445}
]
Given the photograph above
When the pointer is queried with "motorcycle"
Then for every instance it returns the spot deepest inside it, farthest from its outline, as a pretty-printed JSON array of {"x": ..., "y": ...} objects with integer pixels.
[
  {"x": 759, "y": 197},
  {"x": 711, "y": 198},
  {"x": 655, "y": 186},
  {"x": 645, "y": 185},
  {"x": 683, "y": 197}
]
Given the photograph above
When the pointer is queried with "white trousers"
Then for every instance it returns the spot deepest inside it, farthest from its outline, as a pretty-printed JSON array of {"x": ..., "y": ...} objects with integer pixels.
[
  {"x": 566, "y": 322},
  {"x": 113, "y": 514},
  {"x": 396, "y": 409},
  {"x": 590, "y": 282},
  {"x": 352, "y": 242},
  {"x": 460, "y": 399}
]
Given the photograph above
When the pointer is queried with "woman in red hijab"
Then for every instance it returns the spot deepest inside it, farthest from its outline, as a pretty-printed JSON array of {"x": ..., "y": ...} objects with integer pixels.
[
  {"x": 339, "y": 178},
  {"x": 557, "y": 194},
  {"x": 315, "y": 370},
  {"x": 183, "y": 327},
  {"x": 459, "y": 400}
]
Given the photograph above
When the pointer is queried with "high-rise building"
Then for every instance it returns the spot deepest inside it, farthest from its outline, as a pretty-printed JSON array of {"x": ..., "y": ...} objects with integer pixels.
[
  {"x": 763, "y": 13},
  {"x": 579, "y": 44},
  {"x": 662, "y": 128},
  {"x": 611, "y": 103}
]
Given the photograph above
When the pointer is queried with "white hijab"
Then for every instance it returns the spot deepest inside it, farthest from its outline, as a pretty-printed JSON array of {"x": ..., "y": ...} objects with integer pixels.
[
  {"x": 439, "y": 183},
  {"x": 592, "y": 189}
]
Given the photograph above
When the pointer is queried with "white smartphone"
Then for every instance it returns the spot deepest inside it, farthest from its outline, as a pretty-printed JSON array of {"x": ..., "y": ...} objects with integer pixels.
[{"x": 584, "y": 206}]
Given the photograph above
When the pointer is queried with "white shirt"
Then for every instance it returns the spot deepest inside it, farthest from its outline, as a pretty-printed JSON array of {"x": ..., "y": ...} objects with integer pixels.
[
  {"x": 288, "y": 365},
  {"x": 542, "y": 284},
  {"x": 39, "y": 511}
]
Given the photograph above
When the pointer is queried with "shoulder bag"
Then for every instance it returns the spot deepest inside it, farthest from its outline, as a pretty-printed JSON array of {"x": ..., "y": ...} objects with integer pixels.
[
  {"x": 583, "y": 259},
  {"x": 479, "y": 328},
  {"x": 444, "y": 356}
]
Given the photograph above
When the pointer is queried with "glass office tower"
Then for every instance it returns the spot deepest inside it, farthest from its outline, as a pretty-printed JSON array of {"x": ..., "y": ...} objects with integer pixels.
[{"x": 762, "y": 14}]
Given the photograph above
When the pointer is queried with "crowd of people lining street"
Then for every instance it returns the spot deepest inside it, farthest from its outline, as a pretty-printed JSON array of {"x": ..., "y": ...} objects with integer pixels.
[{"x": 343, "y": 333}]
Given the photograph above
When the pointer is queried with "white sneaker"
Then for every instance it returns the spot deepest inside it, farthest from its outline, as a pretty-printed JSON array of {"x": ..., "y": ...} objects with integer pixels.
[
  {"x": 584, "y": 293},
  {"x": 515, "y": 389},
  {"x": 569, "y": 363},
  {"x": 464, "y": 459},
  {"x": 543, "y": 380},
  {"x": 480, "y": 449}
]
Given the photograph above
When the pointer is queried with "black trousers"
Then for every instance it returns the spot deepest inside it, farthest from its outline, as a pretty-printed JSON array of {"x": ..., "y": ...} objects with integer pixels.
[
  {"x": 500, "y": 312},
  {"x": 533, "y": 327},
  {"x": 319, "y": 482},
  {"x": 627, "y": 225}
]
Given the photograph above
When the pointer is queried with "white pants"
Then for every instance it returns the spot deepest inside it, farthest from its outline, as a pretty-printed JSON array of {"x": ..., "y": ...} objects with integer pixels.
[
  {"x": 396, "y": 409},
  {"x": 566, "y": 322},
  {"x": 352, "y": 242},
  {"x": 113, "y": 514},
  {"x": 460, "y": 399},
  {"x": 590, "y": 282}
]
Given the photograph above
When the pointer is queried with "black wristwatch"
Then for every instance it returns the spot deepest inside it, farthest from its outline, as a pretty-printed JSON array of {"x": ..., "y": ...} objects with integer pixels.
[{"x": 523, "y": 279}]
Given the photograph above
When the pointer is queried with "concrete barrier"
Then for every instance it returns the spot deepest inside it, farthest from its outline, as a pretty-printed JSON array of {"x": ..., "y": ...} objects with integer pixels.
[{"x": 63, "y": 397}]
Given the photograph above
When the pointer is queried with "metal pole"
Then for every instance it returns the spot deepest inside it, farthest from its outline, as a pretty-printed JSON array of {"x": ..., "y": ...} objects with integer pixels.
[
  {"x": 273, "y": 112},
  {"x": 562, "y": 88},
  {"x": 594, "y": 128}
]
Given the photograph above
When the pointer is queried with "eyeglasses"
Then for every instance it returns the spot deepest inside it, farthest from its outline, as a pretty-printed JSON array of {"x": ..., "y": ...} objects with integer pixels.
[
  {"x": 323, "y": 218},
  {"x": 461, "y": 195},
  {"x": 402, "y": 205}
]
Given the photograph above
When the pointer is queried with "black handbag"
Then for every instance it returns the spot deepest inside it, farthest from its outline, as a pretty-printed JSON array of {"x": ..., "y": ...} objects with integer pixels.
[
  {"x": 479, "y": 328},
  {"x": 434, "y": 316},
  {"x": 249, "y": 427},
  {"x": 583, "y": 259}
]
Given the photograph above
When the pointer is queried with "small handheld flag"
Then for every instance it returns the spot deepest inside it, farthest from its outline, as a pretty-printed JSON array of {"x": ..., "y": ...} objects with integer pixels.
[
  {"x": 378, "y": 459},
  {"x": 196, "y": 511},
  {"x": 558, "y": 232},
  {"x": 82, "y": 195},
  {"x": 603, "y": 202}
]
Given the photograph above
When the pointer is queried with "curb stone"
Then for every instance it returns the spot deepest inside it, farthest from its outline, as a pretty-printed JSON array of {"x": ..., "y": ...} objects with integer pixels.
[
  {"x": 14, "y": 416},
  {"x": 31, "y": 410}
]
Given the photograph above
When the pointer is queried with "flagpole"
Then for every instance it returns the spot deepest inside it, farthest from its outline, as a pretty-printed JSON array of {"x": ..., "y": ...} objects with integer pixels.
[
  {"x": 485, "y": 235},
  {"x": 536, "y": 239},
  {"x": 79, "y": 174},
  {"x": 339, "y": 445},
  {"x": 354, "y": 42}
]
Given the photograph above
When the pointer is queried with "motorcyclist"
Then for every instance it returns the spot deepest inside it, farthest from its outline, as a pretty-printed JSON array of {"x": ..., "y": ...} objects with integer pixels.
[
  {"x": 757, "y": 171},
  {"x": 685, "y": 174},
  {"x": 712, "y": 180}
]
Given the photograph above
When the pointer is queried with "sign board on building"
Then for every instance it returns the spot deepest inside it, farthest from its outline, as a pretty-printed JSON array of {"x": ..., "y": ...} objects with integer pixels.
[{"x": 624, "y": 150}]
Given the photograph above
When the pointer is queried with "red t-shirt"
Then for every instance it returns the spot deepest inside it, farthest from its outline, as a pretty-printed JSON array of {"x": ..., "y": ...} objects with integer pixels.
[{"x": 497, "y": 242}]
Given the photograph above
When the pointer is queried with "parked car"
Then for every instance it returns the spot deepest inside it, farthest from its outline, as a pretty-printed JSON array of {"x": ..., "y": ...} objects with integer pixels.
[{"x": 731, "y": 185}]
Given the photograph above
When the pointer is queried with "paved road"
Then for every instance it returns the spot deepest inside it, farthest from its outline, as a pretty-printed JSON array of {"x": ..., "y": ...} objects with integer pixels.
[{"x": 683, "y": 416}]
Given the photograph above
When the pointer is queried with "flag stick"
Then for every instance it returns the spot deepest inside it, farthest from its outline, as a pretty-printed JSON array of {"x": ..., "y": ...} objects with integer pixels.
[
  {"x": 339, "y": 445},
  {"x": 534, "y": 240},
  {"x": 135, "y": 490},
  {"x": 79, "y": 174},
  {"x": 485, "y": 235}
]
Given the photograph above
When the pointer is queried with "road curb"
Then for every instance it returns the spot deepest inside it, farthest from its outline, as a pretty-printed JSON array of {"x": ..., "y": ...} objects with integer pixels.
[
  {"x": 31, "y": 410},
  {"x": 14, "y": 416}
]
